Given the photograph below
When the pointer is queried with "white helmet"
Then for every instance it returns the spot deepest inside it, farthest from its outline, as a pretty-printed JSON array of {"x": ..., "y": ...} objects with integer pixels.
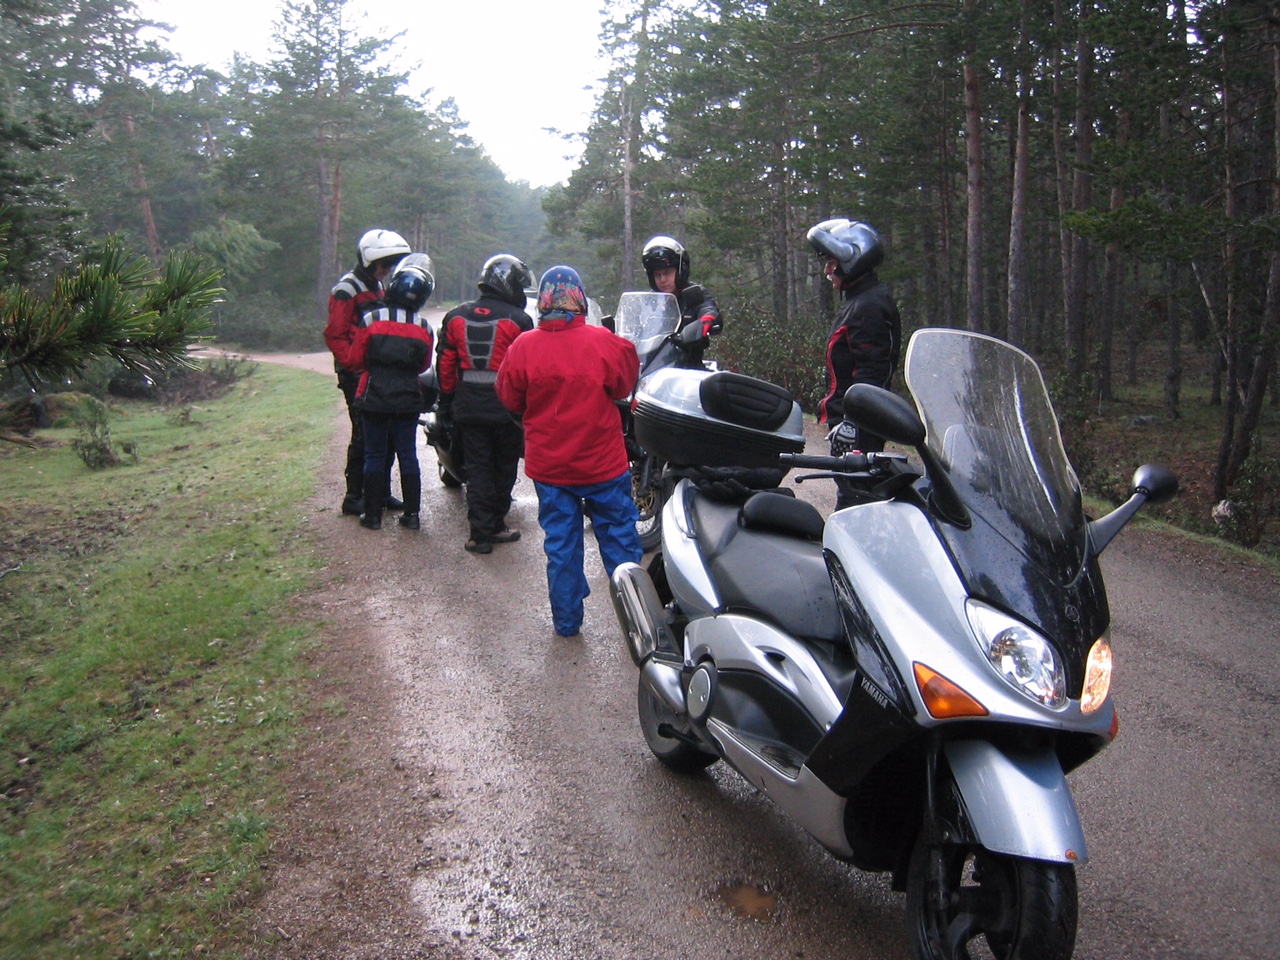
[{"x": 378, "y": 245}]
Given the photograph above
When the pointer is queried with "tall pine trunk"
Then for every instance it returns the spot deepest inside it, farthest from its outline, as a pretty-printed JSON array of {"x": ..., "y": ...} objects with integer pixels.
[
  {"x": 1081, "y": 200},
  {"x": 329, "y": 185},
  {"x": 973, "y": 187},
  {"x": 1016, "y": 306},
  {"x": 628, "y": 163},
  {"x": 144, "y": 193},
  {"x": 1060, "y": 167},
  {"x": 1112, "y": 269},
  {"x": 1231, "y": 338}
]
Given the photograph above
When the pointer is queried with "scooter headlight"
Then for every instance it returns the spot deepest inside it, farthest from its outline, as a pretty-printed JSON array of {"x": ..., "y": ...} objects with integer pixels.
[
  {"x": 1097, "y": 675},
  {"x": 1025, "y": 659}
]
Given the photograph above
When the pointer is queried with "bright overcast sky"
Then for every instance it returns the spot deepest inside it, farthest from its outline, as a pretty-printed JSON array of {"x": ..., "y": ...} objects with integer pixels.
[{"x": 512, "y": 66}]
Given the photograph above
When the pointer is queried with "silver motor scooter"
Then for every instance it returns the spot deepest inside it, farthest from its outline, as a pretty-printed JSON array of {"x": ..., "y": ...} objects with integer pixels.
[{"x": 912, "y": 679}]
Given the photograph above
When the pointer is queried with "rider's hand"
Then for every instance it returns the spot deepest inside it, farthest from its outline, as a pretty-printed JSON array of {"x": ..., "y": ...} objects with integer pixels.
[{"x": 843, "y": 438}]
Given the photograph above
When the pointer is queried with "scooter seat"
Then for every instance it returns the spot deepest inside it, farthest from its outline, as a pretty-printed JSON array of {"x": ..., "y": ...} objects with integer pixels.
[
  {"x": 781, "y": 514},
  {"x": 766, "y": 562}
]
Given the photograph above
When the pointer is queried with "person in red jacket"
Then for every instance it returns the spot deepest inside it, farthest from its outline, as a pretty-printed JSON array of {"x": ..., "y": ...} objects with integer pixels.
[
  {"x": 474, "y": 338},
  {"x": 564, "y": 378},
  {"x": 377, "y": 254},
  {"x": 392, "y": 347}
]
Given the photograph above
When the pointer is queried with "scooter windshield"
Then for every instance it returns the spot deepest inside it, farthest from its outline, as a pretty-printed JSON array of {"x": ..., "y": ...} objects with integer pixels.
[
  {"x": 647, "y": 320},
  {"x": 989, "y": 420}
]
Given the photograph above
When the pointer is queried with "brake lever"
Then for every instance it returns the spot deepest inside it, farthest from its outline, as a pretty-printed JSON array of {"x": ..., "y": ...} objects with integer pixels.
[{"x": 860, "y": 475}]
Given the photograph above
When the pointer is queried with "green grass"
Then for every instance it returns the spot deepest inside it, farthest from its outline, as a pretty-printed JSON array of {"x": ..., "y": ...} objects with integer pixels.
[{"x": 150, "y": 670}]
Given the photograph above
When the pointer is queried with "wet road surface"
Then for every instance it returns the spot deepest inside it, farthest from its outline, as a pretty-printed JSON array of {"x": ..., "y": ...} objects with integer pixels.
[{"x": 557, "y": 835}]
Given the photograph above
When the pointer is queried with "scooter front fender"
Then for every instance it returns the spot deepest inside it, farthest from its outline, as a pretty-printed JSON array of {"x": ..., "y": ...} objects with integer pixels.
[{"x": 1018, "y": 802}]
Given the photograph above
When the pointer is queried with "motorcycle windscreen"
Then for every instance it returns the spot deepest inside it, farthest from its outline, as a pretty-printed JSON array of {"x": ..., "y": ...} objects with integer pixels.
[
  {"x": 990, "y": 421},
  {"x": 647, "y": 320}
]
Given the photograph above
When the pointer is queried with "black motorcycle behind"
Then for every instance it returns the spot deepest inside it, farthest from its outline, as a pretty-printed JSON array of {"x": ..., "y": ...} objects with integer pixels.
[
  {"x": 441, "y": 434},
  {"x": 651, "y": 321}
]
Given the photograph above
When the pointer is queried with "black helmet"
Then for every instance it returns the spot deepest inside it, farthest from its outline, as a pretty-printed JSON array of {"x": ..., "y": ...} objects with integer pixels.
[
  {"x": 410, "y": 286},
  {"x": 505, "y": 277},
  {"x": 854, "y": 246},
  {"x": 665, "y": 252}
]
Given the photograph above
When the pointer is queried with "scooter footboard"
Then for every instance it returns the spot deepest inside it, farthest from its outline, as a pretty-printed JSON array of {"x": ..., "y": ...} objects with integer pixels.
[{"x": 1018, "y": 802}]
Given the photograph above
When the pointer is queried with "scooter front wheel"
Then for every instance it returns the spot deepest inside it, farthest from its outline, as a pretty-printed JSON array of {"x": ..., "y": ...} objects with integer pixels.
[
  {"x": 675, "y": 752},
  {"x": 963, "y": 897},
  {"x": 650, "y": 496}
]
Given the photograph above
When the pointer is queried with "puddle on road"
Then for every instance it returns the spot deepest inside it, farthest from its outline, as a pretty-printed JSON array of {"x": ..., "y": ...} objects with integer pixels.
[{"x": 749, "y": 903}]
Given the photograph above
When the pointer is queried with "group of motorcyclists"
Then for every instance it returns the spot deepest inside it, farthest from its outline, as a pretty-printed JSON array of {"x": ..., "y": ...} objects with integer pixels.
[{"x": 381, "y": 343}]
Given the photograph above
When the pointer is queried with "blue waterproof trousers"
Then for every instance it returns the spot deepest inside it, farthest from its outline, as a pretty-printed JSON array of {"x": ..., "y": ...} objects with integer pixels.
[{"x": 560, "y": 514}]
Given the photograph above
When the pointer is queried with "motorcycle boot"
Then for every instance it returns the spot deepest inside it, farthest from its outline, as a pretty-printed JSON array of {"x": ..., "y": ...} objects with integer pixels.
[
  {"x": 353, "y": 502},
  {"x": 374, "y": 494},
  {"x": 411, "y": 486},
  {"x": 392, "y": 502}
]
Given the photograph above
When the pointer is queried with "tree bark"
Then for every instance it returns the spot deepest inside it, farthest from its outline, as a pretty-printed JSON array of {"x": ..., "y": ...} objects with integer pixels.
[
  {"x": 329, "y": 185},
  {"x": 144, "y": 193},
  {"x": 628, "y": 234},
  {"x": 1081, "y": 199},
  {"x": 1061, "y": 172},
  {"x": 973, "y": 189},
  {"x": 1015, "y": 328},
  {"x": 946, "y": 214},
  {"x": 1111, "y": 280}
]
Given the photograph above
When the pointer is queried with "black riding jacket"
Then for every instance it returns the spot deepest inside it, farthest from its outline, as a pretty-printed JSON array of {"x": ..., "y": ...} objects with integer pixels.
[{"x": 864, "y": 343}]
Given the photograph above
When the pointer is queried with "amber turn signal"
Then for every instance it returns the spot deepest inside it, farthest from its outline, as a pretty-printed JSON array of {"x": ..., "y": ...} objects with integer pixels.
[{"x": 942, "y": 698}]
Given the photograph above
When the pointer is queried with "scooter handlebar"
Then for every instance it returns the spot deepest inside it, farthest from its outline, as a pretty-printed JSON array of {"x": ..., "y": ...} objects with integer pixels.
[
  {"x": 845, "y": 463},
  {"x": 854, "y": 462}
]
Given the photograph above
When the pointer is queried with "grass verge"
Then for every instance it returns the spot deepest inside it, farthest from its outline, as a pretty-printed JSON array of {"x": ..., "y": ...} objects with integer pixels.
[{"x": 150, "y": 669}]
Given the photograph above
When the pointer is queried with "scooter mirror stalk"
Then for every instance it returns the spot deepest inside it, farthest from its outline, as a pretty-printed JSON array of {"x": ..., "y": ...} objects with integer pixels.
[
  {"x": 689, "y": 334},
  {"x": 1151, "y": 484}
]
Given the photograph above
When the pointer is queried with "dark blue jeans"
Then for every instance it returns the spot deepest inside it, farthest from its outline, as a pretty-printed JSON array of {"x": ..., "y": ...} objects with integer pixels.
[{"x": 386, "y": 432}]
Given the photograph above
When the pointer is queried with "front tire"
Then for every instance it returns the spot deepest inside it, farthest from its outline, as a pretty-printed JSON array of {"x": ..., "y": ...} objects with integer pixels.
[
  {"x": 1005, "y": 907},
  {"x": 447, "y": 478},
  {"x": 675, "y": 753}
]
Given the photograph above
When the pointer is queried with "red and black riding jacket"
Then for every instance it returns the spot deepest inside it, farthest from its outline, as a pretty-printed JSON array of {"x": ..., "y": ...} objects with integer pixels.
[
  {"x": 474, "y": 338},
  {"x": 352, "y": 296},
  {"x": 392, "y": 346}
]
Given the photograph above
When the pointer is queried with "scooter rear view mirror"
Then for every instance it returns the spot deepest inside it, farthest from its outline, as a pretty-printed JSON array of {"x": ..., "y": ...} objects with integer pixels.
[{"x": 883, "y": 413}]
